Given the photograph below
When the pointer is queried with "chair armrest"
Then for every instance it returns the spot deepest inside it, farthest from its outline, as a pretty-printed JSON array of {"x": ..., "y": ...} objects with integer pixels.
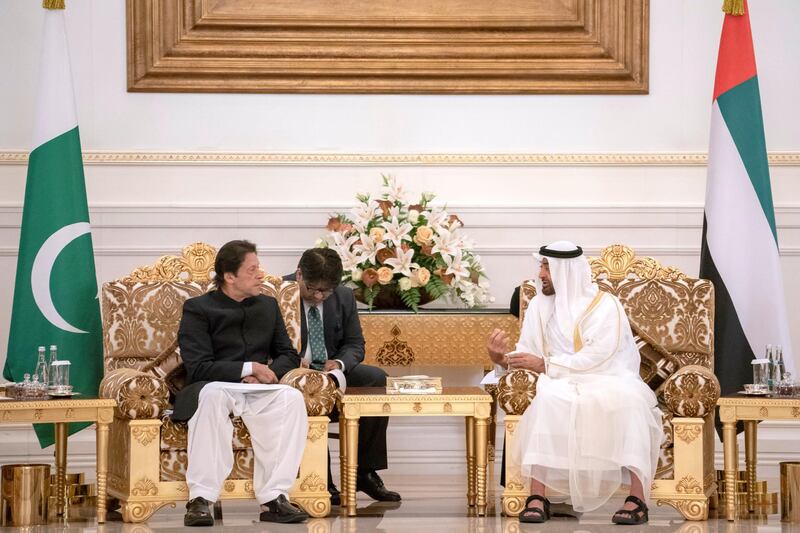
[
  {"x": 319, "y": 390},
  {"x": 516, "y": 390},
  {"x": 691, "y": 392},
  {"x": 139, "y": 395}
]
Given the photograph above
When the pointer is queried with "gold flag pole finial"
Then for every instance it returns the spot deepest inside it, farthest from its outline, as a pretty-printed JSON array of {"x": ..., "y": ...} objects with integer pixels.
[
  {"x": 53, "y": 4},
  {"x": 733, "y": 7}
]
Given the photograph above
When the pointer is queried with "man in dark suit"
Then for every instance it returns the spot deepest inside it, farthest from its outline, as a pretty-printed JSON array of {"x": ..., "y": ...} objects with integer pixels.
[
  {"x": 332, "y": 339},
  {"x": 235, "y": 348}
]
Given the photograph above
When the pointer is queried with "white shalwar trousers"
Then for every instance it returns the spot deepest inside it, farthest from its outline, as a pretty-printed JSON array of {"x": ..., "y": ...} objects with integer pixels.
[{"x": 275, "y": 416}]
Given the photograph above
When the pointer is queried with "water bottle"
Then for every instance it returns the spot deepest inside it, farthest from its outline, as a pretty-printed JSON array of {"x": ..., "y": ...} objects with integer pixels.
[
  {"x": 780, "y": 367},
  {"x": 770, "y": 368},
  {"x": 53, "y": 359},
  {"x": 41, "y": 367}
]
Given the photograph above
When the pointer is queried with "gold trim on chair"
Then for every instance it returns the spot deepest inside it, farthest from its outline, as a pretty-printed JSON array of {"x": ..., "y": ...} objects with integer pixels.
[
  {"x": 619, "y": 262},
  {"x": 196, "y": 263}
]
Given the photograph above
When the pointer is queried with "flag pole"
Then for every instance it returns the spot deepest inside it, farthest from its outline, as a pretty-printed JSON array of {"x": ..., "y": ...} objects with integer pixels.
[{"x": 53, "y": 4}]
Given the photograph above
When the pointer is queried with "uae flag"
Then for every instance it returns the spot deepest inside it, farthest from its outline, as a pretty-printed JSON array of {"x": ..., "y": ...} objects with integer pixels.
[
  {"x": 55, "y": 294},
  {"x": 740, "y": 243}
]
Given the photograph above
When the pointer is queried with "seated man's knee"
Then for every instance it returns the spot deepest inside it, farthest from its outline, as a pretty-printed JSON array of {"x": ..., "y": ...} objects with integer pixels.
[{"x": 295, "y": 398}]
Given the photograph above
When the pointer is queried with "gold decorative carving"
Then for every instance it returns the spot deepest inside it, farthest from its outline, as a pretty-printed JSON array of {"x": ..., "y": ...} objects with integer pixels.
[
  {"x": 316, "y": 507},
  {"x": 395, "y": 352},
  {"x": 145, "y": 487},
  {"x": 515, "y": 486},
  {"x": 446, "y": 339},
  {"x": 386, "y": 408},
  {"x": 69, "y": 414},
  {"x": 687, "y": 433},
  {"x": 183, "y": 488},
  {"x": 138, "y": 512},
  {"x": 763, "y": 411},
  {"x": 617, "y": 159},
  {"x": 313, "y": 483},
  {"x": 513, "y": 505},
  {"x": 448, "y": 408},
  {"x": 145, "y": 435},
  {"x": 196, "y": 263},
  {"x": 385, "y": 47},
  {"x": 37, "y": 415},
  {"x": 689, "y": 485},
  {"x": 417, "y": 407},
  {"x": 618, "y": 262},
  {"x": 248, "y": 487},
  {"x": 796, "y": 412},
  {"x": 316, "y": 431},
  {"x": 690, "y": 509},
  {"x": 229, "y": 486}
]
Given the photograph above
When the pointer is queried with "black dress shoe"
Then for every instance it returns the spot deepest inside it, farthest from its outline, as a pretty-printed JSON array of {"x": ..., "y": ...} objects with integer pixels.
[
  {"x": 282, "y": 511},
  {"x": 197, "y": 513},
  {"x": 336, "y": 496},
  {"x": 371, "y": 484}
]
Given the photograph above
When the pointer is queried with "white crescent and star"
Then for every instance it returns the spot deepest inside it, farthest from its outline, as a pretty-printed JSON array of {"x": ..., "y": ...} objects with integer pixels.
[{"x": 43, "y": 266}]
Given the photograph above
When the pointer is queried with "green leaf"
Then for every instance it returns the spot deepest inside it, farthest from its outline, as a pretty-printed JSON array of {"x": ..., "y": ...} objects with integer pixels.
[
  {"x": 411, "y": 298},
  {"x": 436, "y": 288}
]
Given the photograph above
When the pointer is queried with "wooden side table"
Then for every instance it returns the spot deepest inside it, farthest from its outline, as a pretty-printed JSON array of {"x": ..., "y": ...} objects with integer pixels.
[
  {"x": 470, "y": 402},
  {"x": 62, "y": 412},
  {"x": 750, "y": 410}
]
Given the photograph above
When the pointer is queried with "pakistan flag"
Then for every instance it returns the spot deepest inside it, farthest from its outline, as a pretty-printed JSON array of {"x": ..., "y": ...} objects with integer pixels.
[{"x": 55, "y": 295}]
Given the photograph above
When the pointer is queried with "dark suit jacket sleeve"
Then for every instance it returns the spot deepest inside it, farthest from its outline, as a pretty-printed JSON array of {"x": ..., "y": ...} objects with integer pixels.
[
  {"x": 514, "y": 303},
  {"x": 351, "y": 348},
  {"x": 197, "y": 350},
  {"x": 284, "y": 356}
]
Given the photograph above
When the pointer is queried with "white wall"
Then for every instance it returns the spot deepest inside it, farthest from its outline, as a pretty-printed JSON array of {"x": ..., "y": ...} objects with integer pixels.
[{"x": 141, "y": 210}]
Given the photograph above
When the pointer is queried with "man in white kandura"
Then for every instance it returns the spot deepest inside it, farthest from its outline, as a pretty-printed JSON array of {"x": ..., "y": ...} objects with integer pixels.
[{"x": 594, "y": 424}]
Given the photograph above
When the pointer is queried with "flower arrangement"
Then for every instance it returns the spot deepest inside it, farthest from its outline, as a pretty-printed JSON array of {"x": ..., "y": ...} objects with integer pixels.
[{"x": 397, "y": 254}]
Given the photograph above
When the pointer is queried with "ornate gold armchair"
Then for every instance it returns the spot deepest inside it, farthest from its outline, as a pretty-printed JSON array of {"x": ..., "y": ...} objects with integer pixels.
[
  {"x": 148, "y": 457},
  {"x": 672, "y": 317}
]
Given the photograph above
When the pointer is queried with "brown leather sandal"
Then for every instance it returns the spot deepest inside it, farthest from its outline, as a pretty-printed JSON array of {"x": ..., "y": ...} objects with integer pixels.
[
  {"x": 632, "y": 517},
  {"x": 533, "y": 515}
]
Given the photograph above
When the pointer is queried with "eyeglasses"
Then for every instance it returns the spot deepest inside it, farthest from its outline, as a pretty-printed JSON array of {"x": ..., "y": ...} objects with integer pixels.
[{"x": 322, "y": 292}]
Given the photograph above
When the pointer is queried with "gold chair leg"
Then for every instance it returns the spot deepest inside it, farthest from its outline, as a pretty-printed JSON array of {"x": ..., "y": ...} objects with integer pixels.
[
  {"x": 481, "y": 443},
  {"x": 352, "y": 464}
]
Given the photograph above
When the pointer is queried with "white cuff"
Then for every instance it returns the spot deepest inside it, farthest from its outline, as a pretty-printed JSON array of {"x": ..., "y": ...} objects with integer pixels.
[
  {"x": 341, "y": 364},
  {"x": 247, "y": 369}
]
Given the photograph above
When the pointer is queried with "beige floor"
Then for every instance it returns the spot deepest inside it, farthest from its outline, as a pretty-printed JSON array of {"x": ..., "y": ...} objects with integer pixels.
[{"x": 429, "y": 505}]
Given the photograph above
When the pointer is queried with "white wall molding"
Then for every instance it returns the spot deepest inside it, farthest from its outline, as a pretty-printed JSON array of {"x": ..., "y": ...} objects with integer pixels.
[{"x": 622, "y": 159}]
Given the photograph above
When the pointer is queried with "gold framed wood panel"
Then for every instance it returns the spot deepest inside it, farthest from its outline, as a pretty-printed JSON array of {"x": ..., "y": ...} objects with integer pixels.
[{"x": 385, "y": 46}]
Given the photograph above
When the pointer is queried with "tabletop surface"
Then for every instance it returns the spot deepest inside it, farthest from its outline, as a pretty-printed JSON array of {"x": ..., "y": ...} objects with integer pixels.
[{"x": 366, "y": 392}]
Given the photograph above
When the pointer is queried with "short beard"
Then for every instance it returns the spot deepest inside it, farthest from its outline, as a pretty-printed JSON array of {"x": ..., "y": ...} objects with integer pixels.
[{"x": 548, "y": 290}]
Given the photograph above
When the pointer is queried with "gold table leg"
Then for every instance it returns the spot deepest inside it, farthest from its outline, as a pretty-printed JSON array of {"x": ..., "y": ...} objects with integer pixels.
[
  {"x": 61, "y": 466},
  {"x": 102, "y": 470},
  {"x": 481, "y": 442},
  {"x": 343, "y": 458},
  {"x": 731, "y": 466},
  {"x": 750, "y": 450},
  {"x": 352, "y": 464},
  {"x": 470, "y": 431}
]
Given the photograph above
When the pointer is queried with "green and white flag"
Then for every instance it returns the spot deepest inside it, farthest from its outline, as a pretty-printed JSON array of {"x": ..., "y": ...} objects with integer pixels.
[{"x": 55, "y": 295}]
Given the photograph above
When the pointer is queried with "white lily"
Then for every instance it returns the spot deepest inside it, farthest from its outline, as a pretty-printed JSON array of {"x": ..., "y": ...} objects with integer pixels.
[
  {"x": 401, "y": 263},
  {"x": 455, "y": 265},
  {"x": 363, "y": 213},
  {"x": 437, "y": 218},
  {"x": 397, "y": 232},
  {"x": 446, "y": 243},
  {"x": 395, "y": 191},
  {"x": 368, "y": 248}
]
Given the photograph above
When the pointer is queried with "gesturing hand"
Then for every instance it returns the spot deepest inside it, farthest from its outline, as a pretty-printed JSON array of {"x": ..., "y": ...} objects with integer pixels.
[
  {"x": 250, "y": 379},
  {"x": 497, "y": 346}
]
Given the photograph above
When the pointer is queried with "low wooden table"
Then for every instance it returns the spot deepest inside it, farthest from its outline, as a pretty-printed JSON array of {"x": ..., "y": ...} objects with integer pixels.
[
  {"x": 750, "y": 410},
  {"x": 470, "y": 402},
  {"x": 60, "y": 413}
]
